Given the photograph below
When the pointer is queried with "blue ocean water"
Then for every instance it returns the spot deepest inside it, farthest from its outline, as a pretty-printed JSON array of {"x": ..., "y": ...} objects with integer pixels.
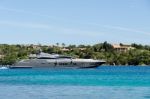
[{"x": 105, "y": 82}]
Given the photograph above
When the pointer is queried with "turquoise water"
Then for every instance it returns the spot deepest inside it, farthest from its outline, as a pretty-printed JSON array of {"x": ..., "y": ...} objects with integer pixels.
[{"x": 105, "y": 82}]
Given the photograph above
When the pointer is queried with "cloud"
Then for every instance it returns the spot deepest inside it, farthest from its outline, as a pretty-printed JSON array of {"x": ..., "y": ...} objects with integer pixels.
[
  {"x": 64, "y": 31},
  {"x": 127, "y": 29},
  {"x": 26, "y": 12},
  {"x": 67, "y": 30},
  {"x": 24, "y": 25},
  {"x": 30, "y": 13}
]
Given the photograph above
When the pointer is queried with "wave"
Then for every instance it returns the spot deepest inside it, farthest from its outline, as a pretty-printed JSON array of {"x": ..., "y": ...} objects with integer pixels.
[{"x": 3, "y": 67}]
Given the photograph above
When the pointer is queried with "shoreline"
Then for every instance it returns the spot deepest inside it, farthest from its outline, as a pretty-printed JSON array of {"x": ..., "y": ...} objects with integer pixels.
[{"x": 8, "y": 66}]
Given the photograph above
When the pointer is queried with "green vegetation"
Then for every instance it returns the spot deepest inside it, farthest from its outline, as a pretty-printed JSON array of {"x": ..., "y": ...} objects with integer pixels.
[{"x": 139, "y": 55}]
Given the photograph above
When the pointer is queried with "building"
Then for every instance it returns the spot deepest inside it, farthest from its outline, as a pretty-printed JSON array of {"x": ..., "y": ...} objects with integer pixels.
[
  {"x": 82, "y": 49},
  {"x": 2, "y": 56},
  {"x": 65, "y": 49},
  {"x": 122, "y": 48}
]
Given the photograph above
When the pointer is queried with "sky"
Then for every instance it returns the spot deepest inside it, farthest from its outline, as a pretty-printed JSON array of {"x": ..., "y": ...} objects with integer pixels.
[{"x": 74, "y": 21}]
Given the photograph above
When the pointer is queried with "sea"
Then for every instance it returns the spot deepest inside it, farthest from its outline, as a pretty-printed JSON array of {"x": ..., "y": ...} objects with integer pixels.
[{"x": 104, "y": 82}]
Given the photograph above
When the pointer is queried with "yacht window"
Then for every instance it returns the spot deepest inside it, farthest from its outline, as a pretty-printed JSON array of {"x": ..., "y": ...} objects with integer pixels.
[{"x": 74, "y": 63}]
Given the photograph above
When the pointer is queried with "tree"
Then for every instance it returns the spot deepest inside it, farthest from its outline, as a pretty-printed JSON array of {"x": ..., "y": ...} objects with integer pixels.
[
  {"x": 57, "y": 44},
  {"x": 63, "y": 45},
  {"x": 107, "y": 46}
]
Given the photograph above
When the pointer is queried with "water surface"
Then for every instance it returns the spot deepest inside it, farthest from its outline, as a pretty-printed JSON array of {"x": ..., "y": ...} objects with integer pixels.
[{"x": 100, "y": 83}]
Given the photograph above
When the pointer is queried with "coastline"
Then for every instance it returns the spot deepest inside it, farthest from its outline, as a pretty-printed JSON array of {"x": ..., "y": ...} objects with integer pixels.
[{"x": 134, "y": 54}]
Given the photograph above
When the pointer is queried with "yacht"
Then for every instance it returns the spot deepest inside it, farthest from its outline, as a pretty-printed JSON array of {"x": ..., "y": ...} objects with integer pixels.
[{"x": 45, "y": 60}]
